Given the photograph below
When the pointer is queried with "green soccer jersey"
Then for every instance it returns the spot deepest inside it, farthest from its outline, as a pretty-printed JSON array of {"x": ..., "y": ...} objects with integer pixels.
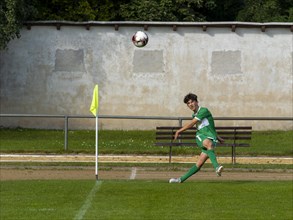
[{"x": 205, "y": 125}]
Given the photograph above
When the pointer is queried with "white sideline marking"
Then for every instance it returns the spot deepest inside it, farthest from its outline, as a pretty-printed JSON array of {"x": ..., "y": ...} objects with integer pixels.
[
  {"x": 88, "y": 202},
  {"x": 133, "y": 173}
]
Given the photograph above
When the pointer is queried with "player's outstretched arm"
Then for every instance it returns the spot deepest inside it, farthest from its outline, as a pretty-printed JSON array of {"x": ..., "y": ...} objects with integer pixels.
[{"x": 185, "y": 127}]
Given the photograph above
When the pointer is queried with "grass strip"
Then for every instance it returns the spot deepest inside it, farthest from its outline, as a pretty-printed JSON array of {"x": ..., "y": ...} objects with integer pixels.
[
  {"x": 146, "y": 200},
  {"x": 21, "y": 140}
]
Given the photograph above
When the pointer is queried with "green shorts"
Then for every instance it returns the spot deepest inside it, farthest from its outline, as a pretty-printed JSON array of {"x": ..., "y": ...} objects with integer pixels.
[{"x": 199, "y": 141}]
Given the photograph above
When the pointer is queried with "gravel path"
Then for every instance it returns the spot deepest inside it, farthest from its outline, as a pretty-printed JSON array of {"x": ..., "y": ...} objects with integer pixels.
[
  {"x": 136, "y": 159},
  {"x": 130, "y": 173}
]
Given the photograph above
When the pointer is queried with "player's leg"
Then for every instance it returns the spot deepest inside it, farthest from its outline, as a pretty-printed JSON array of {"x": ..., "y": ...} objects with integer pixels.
[
  {"x": 209, "y": 145},
  {"x": 194, "y": 169}
]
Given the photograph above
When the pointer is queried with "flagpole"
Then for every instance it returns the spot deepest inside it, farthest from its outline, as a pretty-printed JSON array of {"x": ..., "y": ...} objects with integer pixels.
[
  {"x": 94, "y": 110},
  {"x": 97, "y": 147}
]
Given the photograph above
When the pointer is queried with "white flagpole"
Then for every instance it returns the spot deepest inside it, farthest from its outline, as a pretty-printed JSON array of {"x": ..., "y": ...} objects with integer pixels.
[
  {"x": 97, "y": 147},
  {"x": 94, "y": 110}
]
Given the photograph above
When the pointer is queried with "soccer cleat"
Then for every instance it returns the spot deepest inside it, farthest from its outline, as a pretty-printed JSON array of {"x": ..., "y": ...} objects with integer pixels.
[
  {"x": 219, "y": 170},
  {"x": 175, "y": 180}
]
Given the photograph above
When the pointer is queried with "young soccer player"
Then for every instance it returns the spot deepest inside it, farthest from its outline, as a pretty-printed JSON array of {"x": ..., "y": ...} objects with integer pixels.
[{"x": 206, "y": 137}]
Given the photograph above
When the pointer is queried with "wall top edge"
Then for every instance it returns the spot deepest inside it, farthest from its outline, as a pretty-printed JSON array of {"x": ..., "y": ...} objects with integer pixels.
[{"x": 152, "y": 23}]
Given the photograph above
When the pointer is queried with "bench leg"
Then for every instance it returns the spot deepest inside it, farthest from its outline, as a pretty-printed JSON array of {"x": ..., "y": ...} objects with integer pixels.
[
  {"x": 233, "y": 155},
  {"x": 170, "y": 154}
]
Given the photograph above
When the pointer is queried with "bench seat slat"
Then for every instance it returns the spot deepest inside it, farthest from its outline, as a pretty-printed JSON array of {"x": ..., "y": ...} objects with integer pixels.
[
  {"x": 217, "y": 128},
  {"x": 193, "y": 138},
  {"x": 233, "y": 133},
  {"x": 194, "y": 144},
  {"x": 193, "y": 131}
]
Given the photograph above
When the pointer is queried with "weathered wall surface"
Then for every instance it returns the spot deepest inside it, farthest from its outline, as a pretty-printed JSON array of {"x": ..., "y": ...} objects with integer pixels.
[{"x": 246, "y": 73}]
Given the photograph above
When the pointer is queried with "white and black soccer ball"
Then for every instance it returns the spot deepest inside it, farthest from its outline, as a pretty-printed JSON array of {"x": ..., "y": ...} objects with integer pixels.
[{"x": 140, "y": 39}]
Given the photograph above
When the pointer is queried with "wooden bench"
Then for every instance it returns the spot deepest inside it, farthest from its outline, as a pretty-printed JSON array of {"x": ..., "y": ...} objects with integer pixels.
[{"x": 234, "y": 136}]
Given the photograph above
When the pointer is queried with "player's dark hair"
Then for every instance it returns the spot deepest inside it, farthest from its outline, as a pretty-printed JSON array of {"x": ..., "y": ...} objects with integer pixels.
[{"x": 190, "y": 96}]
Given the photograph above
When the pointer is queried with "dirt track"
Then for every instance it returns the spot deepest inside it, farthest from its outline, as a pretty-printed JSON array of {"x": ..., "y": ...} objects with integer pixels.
[
  {"x": 29, "y": 172},
  {"x": 136, "y": 159},
  {"x": 135, "y": 173}
]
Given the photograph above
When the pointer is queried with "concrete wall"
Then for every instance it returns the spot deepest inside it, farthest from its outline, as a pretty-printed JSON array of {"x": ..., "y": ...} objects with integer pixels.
[{"x": 246, "y": 72}]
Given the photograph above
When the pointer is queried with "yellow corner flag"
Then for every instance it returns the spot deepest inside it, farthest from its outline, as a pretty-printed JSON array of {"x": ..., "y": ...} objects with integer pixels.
[{"x": 95, "y": 101}]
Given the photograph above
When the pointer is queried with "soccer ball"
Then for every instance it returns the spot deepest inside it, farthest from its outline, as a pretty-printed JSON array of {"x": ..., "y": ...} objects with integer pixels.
[{"x": 140, "y": 39}]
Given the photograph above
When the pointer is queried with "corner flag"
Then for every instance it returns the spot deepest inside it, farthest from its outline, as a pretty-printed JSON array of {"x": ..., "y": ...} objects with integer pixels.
[
  {"x": 95, "y": 101},
  {"x": 94, "y": 110}
]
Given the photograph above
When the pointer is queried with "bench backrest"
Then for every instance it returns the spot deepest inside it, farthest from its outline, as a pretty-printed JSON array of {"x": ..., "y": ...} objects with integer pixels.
[{"x": 233, "y": 136}]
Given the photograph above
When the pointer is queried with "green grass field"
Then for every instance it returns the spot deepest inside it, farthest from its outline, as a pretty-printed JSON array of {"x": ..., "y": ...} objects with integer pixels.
[
  {"x": 138, "y": 199},
  {"x": 268, "y": 143},
  {"x": 132, "y": 199}
]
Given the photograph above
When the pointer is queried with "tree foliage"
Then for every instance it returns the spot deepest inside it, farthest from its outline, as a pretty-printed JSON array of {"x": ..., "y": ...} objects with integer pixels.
[
  {"x": 166, "y": 10},
  {"x": 267, "y": 11},
  {"x": 79, "y": 10},
  {"x": 225, "y": 10},
  {"x": 162, "y": 10},
  {"x": 14, "y": 12},
  {"x": 82, "y": 10}
]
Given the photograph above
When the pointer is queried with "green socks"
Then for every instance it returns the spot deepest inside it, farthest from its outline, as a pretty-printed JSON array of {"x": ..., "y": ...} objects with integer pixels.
[
  {"x": 194, "y": 169},
  {"x": 212, "y": 156}
]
